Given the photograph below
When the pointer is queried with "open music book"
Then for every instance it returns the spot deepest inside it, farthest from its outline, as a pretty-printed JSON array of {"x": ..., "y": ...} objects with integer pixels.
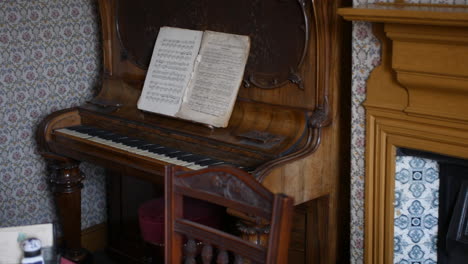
[{"x": 195, "y": 75}]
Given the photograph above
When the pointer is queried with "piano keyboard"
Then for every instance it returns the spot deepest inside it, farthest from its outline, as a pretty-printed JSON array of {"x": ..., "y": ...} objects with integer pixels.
[{"x": 143, "y": 148}]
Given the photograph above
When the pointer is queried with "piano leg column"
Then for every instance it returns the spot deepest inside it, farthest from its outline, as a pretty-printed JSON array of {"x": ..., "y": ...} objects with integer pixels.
[{"x": 66, "y": 182}]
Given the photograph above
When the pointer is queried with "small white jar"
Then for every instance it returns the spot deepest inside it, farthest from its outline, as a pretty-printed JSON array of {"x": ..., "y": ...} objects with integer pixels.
[{"x": 32, "y": 251}]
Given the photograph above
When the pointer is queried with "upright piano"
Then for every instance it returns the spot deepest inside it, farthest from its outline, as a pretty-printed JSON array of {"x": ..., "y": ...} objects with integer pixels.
[{"x": 286, "y": 129}]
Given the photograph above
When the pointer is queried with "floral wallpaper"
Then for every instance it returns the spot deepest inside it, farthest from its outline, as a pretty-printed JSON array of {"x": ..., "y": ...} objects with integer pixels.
[
  {"x": 366, "y": 56},
  {"x": 49, "y": 60}
]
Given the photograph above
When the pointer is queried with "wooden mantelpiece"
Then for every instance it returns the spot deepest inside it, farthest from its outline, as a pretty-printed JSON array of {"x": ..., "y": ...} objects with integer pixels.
[
  {"x": 417, "y": 98},
  {"x": 440, "y": 15}
]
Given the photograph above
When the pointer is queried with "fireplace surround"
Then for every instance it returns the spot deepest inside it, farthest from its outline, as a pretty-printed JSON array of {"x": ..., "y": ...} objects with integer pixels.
[{"x": 417, "y": 98}]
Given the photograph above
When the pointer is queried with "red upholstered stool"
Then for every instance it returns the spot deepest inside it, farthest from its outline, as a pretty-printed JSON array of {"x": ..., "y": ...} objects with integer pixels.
[{"x": 151, "y": 217}]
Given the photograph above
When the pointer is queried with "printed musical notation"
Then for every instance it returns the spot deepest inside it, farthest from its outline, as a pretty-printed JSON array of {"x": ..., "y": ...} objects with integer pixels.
[
  {"x": 170, "y": 69},
  {"x": 198, "y": 86},
  {"x": 169, "y": 74},
  {"x": 218, "y": 75}
]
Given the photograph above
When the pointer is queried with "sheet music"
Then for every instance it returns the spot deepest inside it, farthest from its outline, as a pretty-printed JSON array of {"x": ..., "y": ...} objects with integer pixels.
[
  {"x": 170, "y": 70},
  {"x": 212, "y": 92}
]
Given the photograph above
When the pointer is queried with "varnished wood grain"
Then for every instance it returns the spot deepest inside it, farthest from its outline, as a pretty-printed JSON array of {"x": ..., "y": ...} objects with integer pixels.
[
  {"x": 232, "y": 189},
  {"x": 409, "y": 14},
  {"x": 66, "y": 182}
]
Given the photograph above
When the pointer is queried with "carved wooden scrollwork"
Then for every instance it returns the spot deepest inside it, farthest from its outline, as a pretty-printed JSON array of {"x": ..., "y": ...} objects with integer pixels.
[
  {"x": 225, "y": 185},
  {"x": 273, "y": 62},
  {"x": 325, "y": 30},
  {"x": 271, "y": 82}
]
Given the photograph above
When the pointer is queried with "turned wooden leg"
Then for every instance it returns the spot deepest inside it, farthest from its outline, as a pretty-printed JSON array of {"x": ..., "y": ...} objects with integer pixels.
[{"x": 66, "y": 183}]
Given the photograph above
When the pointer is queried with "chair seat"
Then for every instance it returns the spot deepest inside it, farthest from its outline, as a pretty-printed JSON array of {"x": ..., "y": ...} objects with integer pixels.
[{"x": 151, "y": 217}]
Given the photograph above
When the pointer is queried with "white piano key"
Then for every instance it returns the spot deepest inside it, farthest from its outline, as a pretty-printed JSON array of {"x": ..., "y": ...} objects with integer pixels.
[
  {"x": 134, "y": 150},
  {"x": 74, "y": 133}
]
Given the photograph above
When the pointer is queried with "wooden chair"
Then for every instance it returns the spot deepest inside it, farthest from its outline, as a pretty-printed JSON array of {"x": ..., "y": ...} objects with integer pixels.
[{"x": 233, "y": 189}]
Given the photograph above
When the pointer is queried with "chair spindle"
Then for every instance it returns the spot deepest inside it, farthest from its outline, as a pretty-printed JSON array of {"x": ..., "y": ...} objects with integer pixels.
[
  {"x": 223, "y": 257},
  {"x": 207, "y": 254},
  {"x": 190, "y": 251}
]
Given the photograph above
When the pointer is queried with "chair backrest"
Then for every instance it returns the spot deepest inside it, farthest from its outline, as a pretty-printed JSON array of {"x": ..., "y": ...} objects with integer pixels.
[{"x": 234, "y": 189}]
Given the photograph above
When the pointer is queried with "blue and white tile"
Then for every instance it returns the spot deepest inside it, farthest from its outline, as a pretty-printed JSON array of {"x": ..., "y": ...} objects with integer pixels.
[{"x": 416, "y": 210}]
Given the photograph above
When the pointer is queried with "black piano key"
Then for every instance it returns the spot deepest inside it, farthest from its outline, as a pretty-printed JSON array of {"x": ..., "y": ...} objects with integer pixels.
[
  {"x": 158, "y": 150},
  {"x": 91, "y": 131},
  {"x": 209, "y": 162},
  {"x": 103, "y": 135},
  {"x": 151, "y": 146},
  {"x": 109, "y": 136},
  {"x": 119, "y": 138},
  {"x": 179, "y": 155},
  {"x": 143, "y": 144},
  {"x": 194, "y": 158},
  {"x": 140, "y": 145},
  {"x": 113, "y": 137},
  {"x": 174, "y": 154},
  {"x": 124, "y": 140},
  {"x": 167, "y": 150},
  {"x": 135, "y": 143},
  {"x": 98, "y": 133},
  {"x": 182, "y": 156},
  {"x": 81, "y": 129}
]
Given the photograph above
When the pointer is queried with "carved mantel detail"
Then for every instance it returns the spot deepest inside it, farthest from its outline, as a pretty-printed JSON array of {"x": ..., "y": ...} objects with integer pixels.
[
  {"x": 416, "y": 98},
  {"x": 432, "y": 62}
]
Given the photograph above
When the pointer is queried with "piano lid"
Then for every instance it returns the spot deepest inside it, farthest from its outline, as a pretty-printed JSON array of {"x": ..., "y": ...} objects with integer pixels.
[{"x": 279, "y": 31}]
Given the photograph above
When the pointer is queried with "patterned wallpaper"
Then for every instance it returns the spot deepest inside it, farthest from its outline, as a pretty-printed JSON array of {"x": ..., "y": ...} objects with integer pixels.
[
  {"x": 49, "y": 60},
  {"x": 366, "y": 56}
]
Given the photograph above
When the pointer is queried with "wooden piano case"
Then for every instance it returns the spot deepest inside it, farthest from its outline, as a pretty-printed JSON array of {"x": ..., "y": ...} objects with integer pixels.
[{"x": 289, "y": 125}]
